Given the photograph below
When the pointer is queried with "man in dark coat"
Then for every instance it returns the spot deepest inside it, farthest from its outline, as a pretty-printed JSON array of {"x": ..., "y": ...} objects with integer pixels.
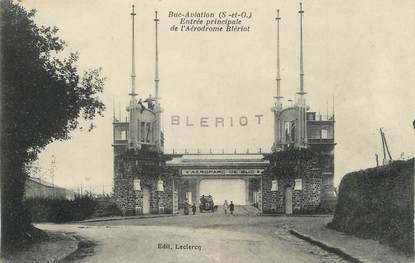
[
  {"x": 194, "y": 208},
  {"x": 186, "y": 208},
  {"x": 231, "y": 207}
]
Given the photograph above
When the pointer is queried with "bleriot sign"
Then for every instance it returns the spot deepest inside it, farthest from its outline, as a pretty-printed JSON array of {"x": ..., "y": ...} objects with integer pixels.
[
  {"x": 176, "y": 120},
  {"x": 221, "y": 171}
]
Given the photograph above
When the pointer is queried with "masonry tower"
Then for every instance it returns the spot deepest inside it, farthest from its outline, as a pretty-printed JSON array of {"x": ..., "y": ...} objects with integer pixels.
[
  {"x": 140, "y": 182},
  {"x": 296, "y": 127}
]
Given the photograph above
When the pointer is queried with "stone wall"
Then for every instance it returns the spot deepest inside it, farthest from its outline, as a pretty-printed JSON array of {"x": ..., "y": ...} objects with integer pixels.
[
  {"x": 149, "y": 168},
  {"x": 378, "y": 203},
  {"x": 285, "y": 168},
  {"x": 306, "y": 200},
  {"x": 325, "y": 153}
]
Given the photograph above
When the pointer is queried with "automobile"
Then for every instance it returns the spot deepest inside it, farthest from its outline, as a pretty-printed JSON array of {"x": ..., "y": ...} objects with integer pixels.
[{"x": 206, "y": 204}]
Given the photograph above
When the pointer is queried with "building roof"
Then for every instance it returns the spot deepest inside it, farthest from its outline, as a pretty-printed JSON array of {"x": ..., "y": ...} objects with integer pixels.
[
  {"x": 45, "y": 183},
  {"x": 218, "y": 160}
]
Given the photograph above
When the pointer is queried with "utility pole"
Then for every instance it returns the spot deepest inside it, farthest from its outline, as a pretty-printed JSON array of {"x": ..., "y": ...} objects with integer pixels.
[
  {"x": 52, "y": 174},
  {"x": 385, "y": 148}
]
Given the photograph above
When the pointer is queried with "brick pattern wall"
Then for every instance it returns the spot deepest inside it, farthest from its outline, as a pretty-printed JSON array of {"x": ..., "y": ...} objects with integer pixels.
[
  {"x": 285, "y": 172},
  {"x": 149, "y": 168},
  {"x": 326, "y": 159}
]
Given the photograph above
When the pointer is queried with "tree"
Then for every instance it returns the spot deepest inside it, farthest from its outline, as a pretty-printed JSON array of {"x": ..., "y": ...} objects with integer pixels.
[{"x": 43, "y": 99}]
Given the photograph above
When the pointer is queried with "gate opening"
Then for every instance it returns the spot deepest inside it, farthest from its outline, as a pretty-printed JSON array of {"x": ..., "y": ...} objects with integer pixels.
[{"x": 225, "y": 189}]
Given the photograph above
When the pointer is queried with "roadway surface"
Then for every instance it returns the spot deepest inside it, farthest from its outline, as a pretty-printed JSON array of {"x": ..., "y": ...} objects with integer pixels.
[{"x": 198, "y": 238}]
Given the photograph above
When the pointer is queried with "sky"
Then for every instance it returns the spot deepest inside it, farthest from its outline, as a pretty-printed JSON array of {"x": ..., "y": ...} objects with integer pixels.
[{"x": 359, "y": 52}]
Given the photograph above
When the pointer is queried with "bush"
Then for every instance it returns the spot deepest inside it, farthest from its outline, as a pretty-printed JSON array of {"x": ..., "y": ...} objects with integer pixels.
[
  {"x": 83, "y": 207},
  {"x": 112, "y": 210},
  {"x": 60, "y": 210}
]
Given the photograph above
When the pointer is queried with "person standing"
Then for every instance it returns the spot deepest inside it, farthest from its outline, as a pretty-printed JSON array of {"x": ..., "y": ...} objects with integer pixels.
[
  {"x": 226, "y": 207},
  {"x": 231, "y": 207},
  {"x": 186, "y": 208},
  {"x": 194, "y": 208}
]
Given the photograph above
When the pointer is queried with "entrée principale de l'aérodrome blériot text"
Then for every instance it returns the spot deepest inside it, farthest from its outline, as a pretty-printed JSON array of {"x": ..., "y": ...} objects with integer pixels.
[{"x": 219, "y": 21}]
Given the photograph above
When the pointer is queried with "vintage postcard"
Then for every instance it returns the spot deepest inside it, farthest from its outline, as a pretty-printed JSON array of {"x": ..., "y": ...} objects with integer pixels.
[{"x": 208, "y": 131}]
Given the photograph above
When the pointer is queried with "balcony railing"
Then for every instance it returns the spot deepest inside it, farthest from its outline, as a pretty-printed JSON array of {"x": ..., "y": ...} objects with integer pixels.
[
  {"x": 320, "y": 141},
  {"x": 321, "y": 117}
]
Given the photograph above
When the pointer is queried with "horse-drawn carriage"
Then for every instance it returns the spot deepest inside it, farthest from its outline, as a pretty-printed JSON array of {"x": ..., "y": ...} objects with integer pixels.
[{"x": 206, "y": 204}]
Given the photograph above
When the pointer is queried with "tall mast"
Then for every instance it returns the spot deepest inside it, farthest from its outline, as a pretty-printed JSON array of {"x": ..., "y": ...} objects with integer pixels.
[
  {"x": 158, "y": 110},
  {"x": 133, "y": 135},
  {"x": 278, "y": 79},
  {"x": 156, "y": 75},
  {"x": 301, "y": 92},
  {"x": 302, "y": 122},
  {"x": 119, "y": 111},
  {"x": 278, "y": 106},
  {"x": 113, "y": 109},
  {"x": 133, "y": 94}
]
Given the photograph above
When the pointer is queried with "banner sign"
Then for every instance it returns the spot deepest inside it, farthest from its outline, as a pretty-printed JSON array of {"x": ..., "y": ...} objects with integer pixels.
[
  {"x": 222, "y": 171},
  {"x": 137, "y": 185}
]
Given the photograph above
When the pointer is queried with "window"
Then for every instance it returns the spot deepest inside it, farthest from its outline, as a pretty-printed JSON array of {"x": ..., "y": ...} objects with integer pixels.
[
  {"x": 139, "y": 130},
  {"x": 117, "y": 134},
  {"x": 298, "y": 184},
  {"x": 274, "y": 186},
  {"x": 311, "y": 116},
  {"x": 142, "y": 131},
  {"x": 292, "y": 131},
  {"x": 123, "y": 135},
  {"x": 148, "y": 132},
  {"x": 289, "y": 127},
  {"x": 324, "y": 134}
]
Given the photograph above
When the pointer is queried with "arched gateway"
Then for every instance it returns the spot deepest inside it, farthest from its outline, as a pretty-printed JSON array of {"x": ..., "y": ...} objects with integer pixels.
[{"x": 231, "y": 177}]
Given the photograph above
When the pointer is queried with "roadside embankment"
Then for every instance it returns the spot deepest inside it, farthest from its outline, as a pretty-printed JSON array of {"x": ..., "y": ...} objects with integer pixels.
[
  {"x": 54, "y": 248},
  {"x": 378, "y": 203}
]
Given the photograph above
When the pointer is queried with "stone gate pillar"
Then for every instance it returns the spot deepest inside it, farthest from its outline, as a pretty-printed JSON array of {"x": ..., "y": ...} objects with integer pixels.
[
  {"x": 260, "y": 194},
  {"x": 247, "y": 191},
  {"x": 197, "y": 191}
]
